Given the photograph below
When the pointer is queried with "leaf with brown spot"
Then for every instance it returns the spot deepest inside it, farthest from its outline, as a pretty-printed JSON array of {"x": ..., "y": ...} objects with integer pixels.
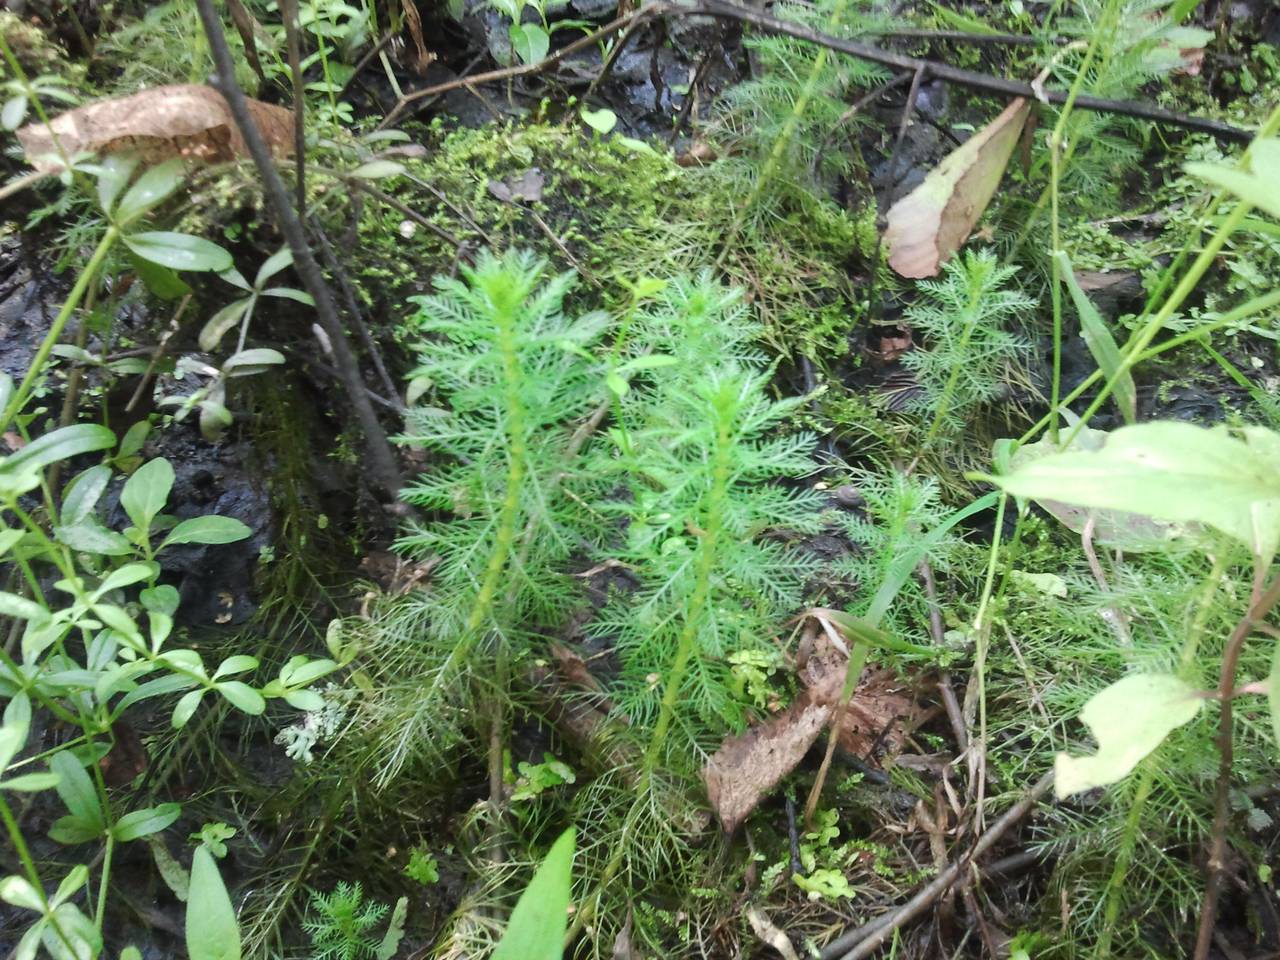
[
  {"x": 933, "y": 221},
  {"x": 188, "y": 120}
]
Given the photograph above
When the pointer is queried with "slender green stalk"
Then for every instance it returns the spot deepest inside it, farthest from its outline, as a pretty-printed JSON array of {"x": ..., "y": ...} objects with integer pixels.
[
  {"x": 1132, "y": 353},
  {"x": 36, "y": 368},
  {"x": 784, "y": 138}
]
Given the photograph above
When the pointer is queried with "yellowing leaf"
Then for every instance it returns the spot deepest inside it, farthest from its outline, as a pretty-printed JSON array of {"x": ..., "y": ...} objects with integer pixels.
[
  {"x": 1129, "y": 719},
  {"x": 933, "y": 221}
]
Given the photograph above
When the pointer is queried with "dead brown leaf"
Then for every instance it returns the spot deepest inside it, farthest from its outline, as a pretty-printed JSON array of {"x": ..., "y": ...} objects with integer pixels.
[
  {"x": 748, "y": 766},
  {"x": 933, "y": 221},
  {"x": 189, "y": 120}
]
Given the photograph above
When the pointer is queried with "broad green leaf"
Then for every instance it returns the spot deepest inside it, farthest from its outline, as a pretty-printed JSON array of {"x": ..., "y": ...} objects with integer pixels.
[
  {"x": 12, "y": 737},
  {"x": 212, "y": 930},
  {"x": 19, "y": 892},
  {"x": 530, "y": 42},
  {"x": 77, "y": 929},
  {"x": 60, "y": 444},
  {"x": 113, "y": 174},
  {"x": 1259, "y": 185},
  {"x": 161, "y": 599},
  {"x": 134, "y": 438},
  {"x": 76, "y": 789},
  {"x": 210, "y": 529},
  {"x": 179, "y": 251},
  {"x": 1170, "y": 471},
  {"x": 71, "y": 883},
  {"x": 127, "y": 576},
  {"x": 249, "y": 362},
  {"x": 601, "y": 121},
  {"x": 9, "y": 539},
  {"x": 395, "y": 931},
  {"x": 300, "y": 671},
  {"x": 90, "y": 536},
  {"x": 143, "y": 823},
  {"x": 30, "y": 782},
  {"x": 289, "y": 293},
  {"x": 150, "y": 189},
  {"x": 13, "y": 112},
  {"x": 238, "y": 663},
  {"x": 186, "y": 707},
  {"x": 12, "y": 605},
  {"x": 541, "y": 916},
  {"x": 273, "y": 265},
  {"x": 1129, "y": 719},
  {"x": 305, "y": 700},
  {"x": 222, "y": 321},
  {"x": 70, "y": 830},
  {"x": 1102, "y": 345},
  {"x": 243, "y": 697},
  {"x": 83, "y": 493},
  {"x": 164, "y": 282},
  {"x": 146, "y": 492},
  {"x": 933, "y": 221}
]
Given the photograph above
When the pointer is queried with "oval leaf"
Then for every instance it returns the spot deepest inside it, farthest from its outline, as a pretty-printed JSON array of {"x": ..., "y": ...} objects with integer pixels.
[{"x": 179, "y": 251}]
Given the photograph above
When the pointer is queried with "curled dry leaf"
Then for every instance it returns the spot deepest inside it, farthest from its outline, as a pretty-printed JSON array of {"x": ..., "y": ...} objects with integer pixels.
[
  {"x": 748, "y": 766},
  {"x": 931, "y": 223},
  {"x": 188, "y": 120}
]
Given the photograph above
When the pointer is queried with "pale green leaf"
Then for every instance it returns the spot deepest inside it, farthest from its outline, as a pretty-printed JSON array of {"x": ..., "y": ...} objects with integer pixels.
[
  {"x": 179, "y": 251},
  {"x": 146, "y": 492},
  {"x": 210, "y": 529},
  {"x": 541, "y": 916},
  {"x": 212, "y": 930},
  {"x": 1170, "y": 471},
  {"x": 601, "y": 121},
  {"x": 150, "y": 189},
  {"x": 1129, "y": 719},
  {"x": 530, "y": 42}
]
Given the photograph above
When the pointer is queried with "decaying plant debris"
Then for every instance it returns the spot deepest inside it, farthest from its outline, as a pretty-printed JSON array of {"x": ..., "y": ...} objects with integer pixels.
[{"x": 527, "y": 480}]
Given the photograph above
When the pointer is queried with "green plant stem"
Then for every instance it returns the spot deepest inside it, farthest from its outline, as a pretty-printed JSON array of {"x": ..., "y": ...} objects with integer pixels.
[
  {"x": 1055, "y": 173},
  {"x": 784, "y": 138},
  {"x": 1133, "y": 350},
  {"x": 708, "y": 549},
  {"x": 105, "y": 879},
  {"x": 29, "y": 866},
  {"x": 708, "y": 554},
  {"x": 36, "y": 368}
]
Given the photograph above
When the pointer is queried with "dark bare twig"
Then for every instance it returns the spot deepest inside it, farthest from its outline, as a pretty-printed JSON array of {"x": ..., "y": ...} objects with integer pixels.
[
  {"x": 403, "y": 208},
  {"x": 960, "y": 36},
  {"x": 363, "y": 61},
  {"x": 354, "y": 311},
  {"x": 859, "y": 943},
  {"x": 937, "y": 631},
  {"x": 698, "y": 76},
  {"x": 908, "y": 108},
  {"x": 964, "y": 78},
  {"x": 1260, "y": 605},
  {"x": 383, "y": 471},
  {"x": 524, "y": 69},
  {"x": 972, "y": 79}
]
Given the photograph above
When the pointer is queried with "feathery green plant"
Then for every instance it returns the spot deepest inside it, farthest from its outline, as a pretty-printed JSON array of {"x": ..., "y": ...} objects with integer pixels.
[
  {"x": 512, "y": 375},
  {"x": 969, "y": 354},
  {"x": 341, "y": 923}
]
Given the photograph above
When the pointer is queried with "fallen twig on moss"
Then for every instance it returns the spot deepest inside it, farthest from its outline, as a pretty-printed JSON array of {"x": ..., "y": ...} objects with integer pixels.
[
  {"x": 721, "y": 9},
  {"x": 863, "y": 941}
]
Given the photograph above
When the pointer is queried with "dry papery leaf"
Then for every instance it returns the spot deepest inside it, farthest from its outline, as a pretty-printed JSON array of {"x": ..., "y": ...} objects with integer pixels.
[
  {"x": 748, "y": 766},
  {"x": 188, "y": 120},
  {"x": 933, "y": 221}
]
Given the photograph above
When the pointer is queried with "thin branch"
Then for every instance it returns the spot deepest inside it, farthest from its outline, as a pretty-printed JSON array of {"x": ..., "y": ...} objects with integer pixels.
[
  {"x": 865, "y": 940},
  {"x": 1260, "y": 606},
  {"x": 524, "y": 69},
  {"x": 382, "y": 469},
  {"x": 964, "y": 78}
]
